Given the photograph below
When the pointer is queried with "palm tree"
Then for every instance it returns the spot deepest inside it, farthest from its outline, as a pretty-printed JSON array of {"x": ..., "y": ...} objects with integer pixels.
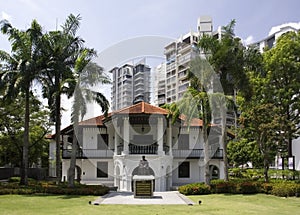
[
  {"x": 22, "y": 67},
  {"x": 62, "y": 50},
  {"x": 228, "y": 59},
  {"x": 88, "y": 75},
  {"x": 196, "y": 103}
]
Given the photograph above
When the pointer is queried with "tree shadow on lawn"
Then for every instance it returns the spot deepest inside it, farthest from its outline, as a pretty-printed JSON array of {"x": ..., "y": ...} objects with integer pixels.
[{"x": 53, "y": 195}]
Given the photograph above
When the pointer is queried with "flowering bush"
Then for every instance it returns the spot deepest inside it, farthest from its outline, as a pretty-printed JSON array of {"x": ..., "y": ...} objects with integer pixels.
[{"x": 194, "y": 189}]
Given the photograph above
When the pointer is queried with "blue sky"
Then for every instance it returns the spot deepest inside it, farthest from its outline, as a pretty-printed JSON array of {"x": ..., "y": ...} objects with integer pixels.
[{"x": 105, "y": 23}]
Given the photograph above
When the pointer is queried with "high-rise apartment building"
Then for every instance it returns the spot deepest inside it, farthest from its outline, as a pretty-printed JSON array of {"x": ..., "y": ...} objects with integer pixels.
[
  {"x": 160, "y": 84},
  {"x": 270, "y": 40},
  {"x": 131, "y": 83},
  {"x": 179, "y": 55}
]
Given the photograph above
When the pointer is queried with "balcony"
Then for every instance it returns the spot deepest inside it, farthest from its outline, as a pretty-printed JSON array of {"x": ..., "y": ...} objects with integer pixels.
[
  {"x": 196, "y": 153},
  {"x": 140, "y": 149},
  {"x": 88, "y": 153}
]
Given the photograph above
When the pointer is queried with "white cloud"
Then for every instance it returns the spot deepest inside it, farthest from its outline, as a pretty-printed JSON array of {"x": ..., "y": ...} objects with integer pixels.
[
  {"x": 277, "y": 28},
  {"x": 248, "y": 40},
  {"x": 6, "y": 16}
]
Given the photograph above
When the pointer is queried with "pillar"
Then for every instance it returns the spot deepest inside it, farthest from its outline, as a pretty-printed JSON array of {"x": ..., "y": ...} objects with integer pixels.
[
  {"x": 169, "y": 137},
  {"x": 126, "y": 135},
  {"x": 116, "y": 142},
  {"x": 160, "y": 136}
]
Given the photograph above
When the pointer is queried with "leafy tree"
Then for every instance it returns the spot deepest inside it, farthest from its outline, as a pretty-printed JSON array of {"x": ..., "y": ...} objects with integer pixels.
[
  {"x": 226, "y": 55},
  {"x": 282, "y": 64},
  {"x": 260, "y": 119},
  {"x": 239, "y": 152},
  {"x": 262, "y": 122},
  {"x": 12, "y": 132},
  {"x": 18, "y": 71},
  {"x": 196, "y": 103}
]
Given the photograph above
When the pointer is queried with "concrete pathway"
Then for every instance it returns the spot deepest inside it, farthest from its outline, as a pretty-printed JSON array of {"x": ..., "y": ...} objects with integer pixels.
[{"x": 159, "y": 198}]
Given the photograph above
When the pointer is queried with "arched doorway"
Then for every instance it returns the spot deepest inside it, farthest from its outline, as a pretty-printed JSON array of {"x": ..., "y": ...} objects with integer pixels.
[{"x": 214, "y": 172}]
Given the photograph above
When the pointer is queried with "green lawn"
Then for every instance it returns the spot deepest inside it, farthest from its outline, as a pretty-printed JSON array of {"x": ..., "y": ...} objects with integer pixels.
[{"x": 211, "y": 204}]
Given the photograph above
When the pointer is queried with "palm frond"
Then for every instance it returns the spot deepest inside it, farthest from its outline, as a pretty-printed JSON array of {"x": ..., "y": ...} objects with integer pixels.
[
  {"x": 101, "y": 100},
  {"x": 71, "y": 24}
]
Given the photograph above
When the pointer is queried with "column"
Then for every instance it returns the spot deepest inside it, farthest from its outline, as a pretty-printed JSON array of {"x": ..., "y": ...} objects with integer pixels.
[
  {"x": 126, "y": 135},
  {"x": 160, "y": 136},
  {"x": 169, "y": 137},
  {"x": 116, "y": 142}
]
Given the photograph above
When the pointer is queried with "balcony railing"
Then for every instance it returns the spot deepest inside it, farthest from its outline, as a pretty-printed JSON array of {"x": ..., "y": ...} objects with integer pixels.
[
  {"x": 196, "y": 153},
  {"x": 148, "y": 149},
  {"x": 88, "y": 153}
]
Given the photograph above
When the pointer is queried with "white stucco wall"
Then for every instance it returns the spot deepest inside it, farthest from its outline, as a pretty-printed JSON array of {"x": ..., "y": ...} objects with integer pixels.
[
  {"x": 194, "y": 172},
  {"x": 52, "y": 158},
  {"x": 296, "y": 153},
  {"x": 89, "y": 171}
]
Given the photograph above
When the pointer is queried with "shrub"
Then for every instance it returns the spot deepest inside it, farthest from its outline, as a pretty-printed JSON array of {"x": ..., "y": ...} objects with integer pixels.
[
  {"x": 248, "y": 187},
  {"x": 45, "y": 188},
  {"x": 236, "y": 172},
  {"x": 266, "y": 188},
  {"x": 14, "y": 179},
  {"x": 285, "y": 189},
  {"x": 221, "y": 186},
  {"x": 194, "y": 189},
  {"x": 18, "y": 179}
]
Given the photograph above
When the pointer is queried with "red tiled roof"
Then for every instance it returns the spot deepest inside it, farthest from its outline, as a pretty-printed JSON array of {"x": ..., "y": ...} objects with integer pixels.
[
  {"x": 193, "y": 122},
  {"x": 139, "y": 108},
  {"x": 49, "y": 136},
  {"x": 142, "y": 107},
  {"x": 96, "y": 121}
]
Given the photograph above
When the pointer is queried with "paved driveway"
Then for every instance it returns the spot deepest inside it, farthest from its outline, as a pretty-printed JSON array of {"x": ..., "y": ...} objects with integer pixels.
[{"x": 159, "y": 198}]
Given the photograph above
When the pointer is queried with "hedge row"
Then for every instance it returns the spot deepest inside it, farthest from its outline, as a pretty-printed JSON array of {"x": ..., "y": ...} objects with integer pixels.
[
  {"x": 281, "y": 188},
  {"x": 50, "y": 188}
]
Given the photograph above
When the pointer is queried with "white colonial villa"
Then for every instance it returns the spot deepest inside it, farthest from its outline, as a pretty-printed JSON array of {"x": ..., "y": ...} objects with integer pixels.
[{"x": 111, "y": 147}]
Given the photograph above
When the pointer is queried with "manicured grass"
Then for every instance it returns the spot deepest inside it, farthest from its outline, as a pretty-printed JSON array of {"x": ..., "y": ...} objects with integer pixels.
[
  {"x": 247, "y": 204},
  {"x": 211, "y": 204}
]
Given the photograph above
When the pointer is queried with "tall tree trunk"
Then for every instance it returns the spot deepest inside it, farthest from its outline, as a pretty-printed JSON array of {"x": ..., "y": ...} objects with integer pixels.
[
  {"x": 206, "y": 156},
  {"x": 289, "y": 129},
  {"x": 206, "y": 149},
  {"x": 266, "y": 169},
  {"x": 71, "y": 171},
  {"x": 224, "y": 142},
  {"x": 24, "y": 167},
  {"x": 225, "y": 155},
  {"x": 290, "y": 141},
  {"x": 57, "y": 131}
]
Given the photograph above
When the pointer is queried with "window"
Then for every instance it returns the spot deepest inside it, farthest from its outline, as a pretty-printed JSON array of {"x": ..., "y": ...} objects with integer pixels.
[
  {"x": 102, "y": 169},
  {"x": 183, "y": 141},
  {"x": 102, "y": 141},
  {"x": 184, "y": 170}
]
